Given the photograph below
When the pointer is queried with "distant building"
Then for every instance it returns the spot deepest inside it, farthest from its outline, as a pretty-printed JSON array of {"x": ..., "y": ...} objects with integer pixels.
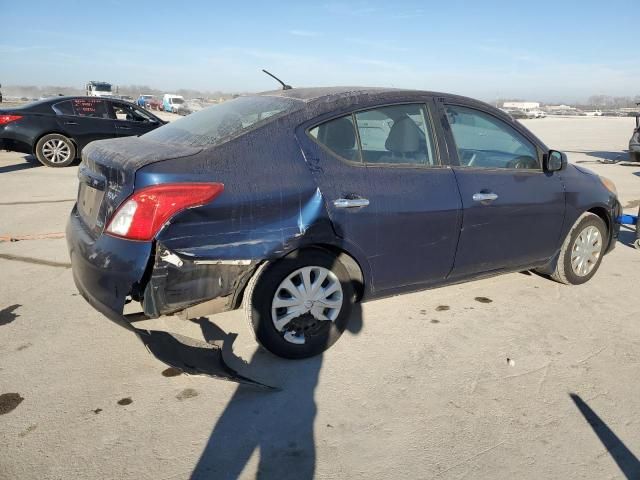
[
  {"x": 525, "y": 106},
  {"x": 558, "y": 108}
]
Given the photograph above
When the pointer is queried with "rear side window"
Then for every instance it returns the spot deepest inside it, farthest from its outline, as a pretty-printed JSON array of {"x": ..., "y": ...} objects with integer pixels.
[
  {"x": 216, "y": 124},
  {"x": 484, "y": 141},
  {"x": 396, "y": 134},
  {"x": 83, "y": 107},
  {"x": 339, "y": 136}
]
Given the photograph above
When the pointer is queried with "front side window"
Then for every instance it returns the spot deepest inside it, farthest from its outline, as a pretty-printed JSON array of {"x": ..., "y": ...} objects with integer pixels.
[
  {"x": 129, "y": 113},
  {"x": 483, "y": 141},
  {"x": 397, "y": 134}
]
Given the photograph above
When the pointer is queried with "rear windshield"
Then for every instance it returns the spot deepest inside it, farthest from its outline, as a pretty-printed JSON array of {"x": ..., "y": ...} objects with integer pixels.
[{"x": 215, "y": 124}]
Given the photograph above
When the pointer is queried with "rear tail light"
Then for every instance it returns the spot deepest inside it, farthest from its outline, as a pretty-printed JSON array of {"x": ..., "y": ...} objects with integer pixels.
[
  {"x": 4, "y": 119},
  {"x": 145, "y": 212}
]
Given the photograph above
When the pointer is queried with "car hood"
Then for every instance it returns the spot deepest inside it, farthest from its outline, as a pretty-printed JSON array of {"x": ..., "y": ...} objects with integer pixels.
[{"x": 586, "y": 171}]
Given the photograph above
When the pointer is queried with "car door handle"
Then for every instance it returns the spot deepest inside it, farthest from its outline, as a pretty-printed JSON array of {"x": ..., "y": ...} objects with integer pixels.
[
  {"x": 484, "y": 197},
  {"x": 70, "y": 123},
  {"x": 350, "y": 202},
  {"x": 123, "y": 127}
]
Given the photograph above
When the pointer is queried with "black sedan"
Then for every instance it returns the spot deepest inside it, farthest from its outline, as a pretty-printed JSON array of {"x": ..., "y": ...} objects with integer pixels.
[
  {"x": 56, "y": 130},
  {"x": 303, "y": 201}
]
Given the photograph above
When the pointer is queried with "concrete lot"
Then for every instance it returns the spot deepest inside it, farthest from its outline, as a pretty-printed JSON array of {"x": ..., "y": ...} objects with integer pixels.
[{"x": 480, "y": 389}]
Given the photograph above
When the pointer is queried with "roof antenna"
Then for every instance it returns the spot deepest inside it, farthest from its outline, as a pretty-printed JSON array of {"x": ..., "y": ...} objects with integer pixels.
[{"x": 284, "y": 85}]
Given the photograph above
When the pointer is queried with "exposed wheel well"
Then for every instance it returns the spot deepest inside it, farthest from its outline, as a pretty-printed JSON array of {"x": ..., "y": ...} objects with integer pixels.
[
  {"x": 350, "y": 264},
  {"x": 602, "y": 213}
]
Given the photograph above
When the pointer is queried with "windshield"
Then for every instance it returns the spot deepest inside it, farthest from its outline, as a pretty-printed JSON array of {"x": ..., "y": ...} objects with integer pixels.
[
  {"x": 177, "y": 100},
  {"x": 215, "y": 124},
  {"x": 102, "y": 87}
]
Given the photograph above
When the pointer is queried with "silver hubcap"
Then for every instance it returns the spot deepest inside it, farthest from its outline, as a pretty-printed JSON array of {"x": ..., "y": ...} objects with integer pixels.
[
  {"x": 306, "y": 297},
  {"x": 56, "y": 151},
  {"x": 586, "y": 251}
]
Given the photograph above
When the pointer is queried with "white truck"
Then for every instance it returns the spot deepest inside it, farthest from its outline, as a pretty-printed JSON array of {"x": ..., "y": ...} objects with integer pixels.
[{"x": 98, "y": 89}]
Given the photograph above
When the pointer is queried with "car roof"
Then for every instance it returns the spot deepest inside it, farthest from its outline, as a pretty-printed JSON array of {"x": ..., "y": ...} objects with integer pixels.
[
  {"x": 309, "y": 94},
  {"x": 325, "y": 98}
]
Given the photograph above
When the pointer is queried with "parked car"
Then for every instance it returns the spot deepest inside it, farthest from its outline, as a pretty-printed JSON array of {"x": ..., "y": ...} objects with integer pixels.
[
  {"x": 144, "y": 101},
  {"x": 634, "y": 142},
  {"x": 303, "y": 201},
  {"x": 172, "y": 103},
  {"x": 515, "y": 113},
  {"x": 57, "y": 129}
]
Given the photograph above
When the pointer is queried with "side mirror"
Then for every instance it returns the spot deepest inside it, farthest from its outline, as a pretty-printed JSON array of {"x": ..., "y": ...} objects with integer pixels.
[{"x": 554, "y": 161}]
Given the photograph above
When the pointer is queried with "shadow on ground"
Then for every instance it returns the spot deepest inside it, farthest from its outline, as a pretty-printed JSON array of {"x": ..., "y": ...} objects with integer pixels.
[
  {"x": 627, "y": 236},
  {"x": 7, "y": 314},
  {"x": 624, "y": 458},
  {"x": 600, "y": 156},
  {"x": 278, "y": 424},
  {"x": 29, "y": 162}
]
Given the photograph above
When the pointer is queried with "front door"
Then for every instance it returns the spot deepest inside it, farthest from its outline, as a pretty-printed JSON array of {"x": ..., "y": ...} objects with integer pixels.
[
  {"x": 513, "y": 211},
  {"x": 389, "y": 196},
  {"x": 130, "y": 120}
]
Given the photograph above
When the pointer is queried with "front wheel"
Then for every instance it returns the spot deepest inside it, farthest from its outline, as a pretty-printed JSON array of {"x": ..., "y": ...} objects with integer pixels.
[
  {"x": 300, "y": 305},
  {"x": 582, "y": 251},
  {"x": 55, "y": 150}
]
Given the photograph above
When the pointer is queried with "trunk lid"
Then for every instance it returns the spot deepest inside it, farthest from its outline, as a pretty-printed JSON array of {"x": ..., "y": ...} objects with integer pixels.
[{"x": 107, "y": 174}]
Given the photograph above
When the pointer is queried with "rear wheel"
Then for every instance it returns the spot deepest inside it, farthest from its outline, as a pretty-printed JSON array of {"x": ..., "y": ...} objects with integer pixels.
[
  {"x": 582, "y": 251},
  {"x": 300, "y": 305},
  {"x": 55, "y": 150}
]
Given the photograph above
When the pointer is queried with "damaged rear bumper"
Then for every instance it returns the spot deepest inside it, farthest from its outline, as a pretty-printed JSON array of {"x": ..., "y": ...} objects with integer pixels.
[
  {"x": 194, "y": 287},
  {"x": 105, "y": 269}
]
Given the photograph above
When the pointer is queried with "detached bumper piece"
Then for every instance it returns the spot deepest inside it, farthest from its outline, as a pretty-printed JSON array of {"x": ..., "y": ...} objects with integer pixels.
[
  {"x": 189, "y": 355},
  {"x": 194, "y": 357}
]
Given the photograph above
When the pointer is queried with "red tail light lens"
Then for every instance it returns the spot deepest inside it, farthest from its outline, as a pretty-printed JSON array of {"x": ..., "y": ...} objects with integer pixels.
[
  {"x": 4, "y": 119},
  {"x": 145, "y": 212}
]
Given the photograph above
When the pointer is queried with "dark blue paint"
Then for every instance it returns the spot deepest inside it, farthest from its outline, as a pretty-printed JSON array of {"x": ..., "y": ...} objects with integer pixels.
[{"x": 420, "y": 230}]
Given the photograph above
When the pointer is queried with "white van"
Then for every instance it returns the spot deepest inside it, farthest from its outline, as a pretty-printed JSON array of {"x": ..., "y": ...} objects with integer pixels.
[{"x": 172, "y": 103}]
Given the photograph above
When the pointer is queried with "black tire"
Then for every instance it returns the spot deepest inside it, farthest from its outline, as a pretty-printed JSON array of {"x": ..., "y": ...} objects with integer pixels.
[
  {"x": 564, "y": 272},
  {"x": 260, "y": 293},
  {"x": 634, "y": 156},
  {"x": 55, "y": 137}
]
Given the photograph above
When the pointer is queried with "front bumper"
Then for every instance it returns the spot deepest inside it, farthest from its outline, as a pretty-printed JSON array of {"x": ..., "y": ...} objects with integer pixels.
[{"x": 105, "y": 269}]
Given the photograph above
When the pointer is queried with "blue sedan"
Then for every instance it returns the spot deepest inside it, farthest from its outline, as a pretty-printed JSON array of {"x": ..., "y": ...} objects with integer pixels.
[{"x": 299, "y": 203}]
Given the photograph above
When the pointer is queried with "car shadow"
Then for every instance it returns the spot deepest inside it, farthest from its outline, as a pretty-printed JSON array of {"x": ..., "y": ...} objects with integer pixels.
[
  {"x": 279, "y": 425},
  {"x": 627, "y": 236},
  {"x": 600, "y": 156},
  {"x": 624, "y": 458},
  {"x": 29, "y": 162}
]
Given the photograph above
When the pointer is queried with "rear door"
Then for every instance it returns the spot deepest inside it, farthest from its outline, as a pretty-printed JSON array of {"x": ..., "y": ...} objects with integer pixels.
[
  {"x": 130, "y": 120},
  {"x": 389, "y": 193},
  {"x": 513, "y": 211},
  {"x": 84, "y": 120}
]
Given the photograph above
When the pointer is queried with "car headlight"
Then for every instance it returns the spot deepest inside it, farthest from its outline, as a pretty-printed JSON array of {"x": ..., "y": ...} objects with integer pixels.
[{"x": 609, "y": 185}]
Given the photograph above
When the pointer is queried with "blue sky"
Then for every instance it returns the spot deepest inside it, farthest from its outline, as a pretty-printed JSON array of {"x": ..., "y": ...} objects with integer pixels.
[{"x": 548, "y": 50}]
